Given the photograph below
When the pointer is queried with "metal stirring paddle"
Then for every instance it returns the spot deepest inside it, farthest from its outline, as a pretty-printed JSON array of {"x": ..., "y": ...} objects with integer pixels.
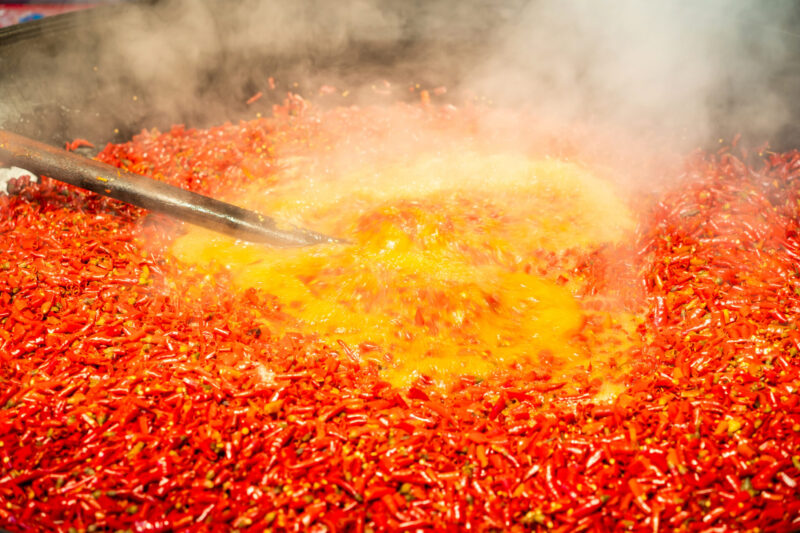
[{"x": 157, "y": 196}]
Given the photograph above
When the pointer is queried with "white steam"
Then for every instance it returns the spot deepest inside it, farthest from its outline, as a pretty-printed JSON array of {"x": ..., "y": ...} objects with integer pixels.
[
  {"x": 683, "y": 68},
  {"x": 690, "y": 71}
]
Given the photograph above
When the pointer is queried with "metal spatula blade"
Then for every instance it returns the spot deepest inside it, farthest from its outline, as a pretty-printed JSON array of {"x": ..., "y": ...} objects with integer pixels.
[{"x": 151, "y": 194}]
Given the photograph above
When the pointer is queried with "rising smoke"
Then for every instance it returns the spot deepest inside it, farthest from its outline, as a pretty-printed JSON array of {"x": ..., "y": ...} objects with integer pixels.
[{"x": 689, "y": 71}]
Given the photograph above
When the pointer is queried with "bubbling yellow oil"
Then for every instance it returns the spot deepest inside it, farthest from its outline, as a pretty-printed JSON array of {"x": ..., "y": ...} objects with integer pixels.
[{"x": 444, "y": 272}]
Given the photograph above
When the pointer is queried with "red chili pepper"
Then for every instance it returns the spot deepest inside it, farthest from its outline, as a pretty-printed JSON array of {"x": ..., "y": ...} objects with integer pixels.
[
  {"x": 131, "y": 406},
  {"x": 253, "y": 99},
  {"x": 78, "y": 143}
]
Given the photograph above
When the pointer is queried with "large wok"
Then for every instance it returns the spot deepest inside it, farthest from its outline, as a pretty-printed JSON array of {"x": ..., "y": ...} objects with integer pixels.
[{"x": 106, "y": 73}]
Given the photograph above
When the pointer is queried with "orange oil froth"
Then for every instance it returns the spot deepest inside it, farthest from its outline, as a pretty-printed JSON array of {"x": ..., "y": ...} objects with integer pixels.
[{"x": 445, "y": 271}]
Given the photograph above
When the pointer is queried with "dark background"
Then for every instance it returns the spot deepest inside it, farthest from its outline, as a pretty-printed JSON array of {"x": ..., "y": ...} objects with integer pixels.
[{"x": 62, "y": 77}]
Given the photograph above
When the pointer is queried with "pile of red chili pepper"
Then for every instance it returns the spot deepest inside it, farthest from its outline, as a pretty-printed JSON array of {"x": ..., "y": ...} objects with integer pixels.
[{"x": 125, "y": 405}]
